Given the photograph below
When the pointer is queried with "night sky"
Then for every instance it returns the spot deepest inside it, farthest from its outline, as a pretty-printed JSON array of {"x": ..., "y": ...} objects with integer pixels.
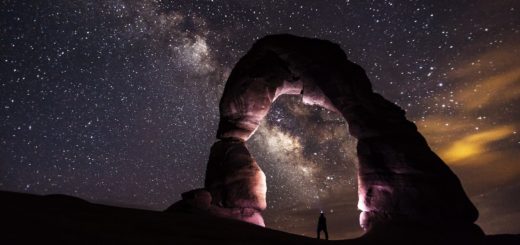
[{"x": 116, "y": 102}]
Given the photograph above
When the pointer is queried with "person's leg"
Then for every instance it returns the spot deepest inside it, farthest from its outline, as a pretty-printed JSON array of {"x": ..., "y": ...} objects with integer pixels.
[
  {"x": 318, "y": 233},
  {"x": 326, "y": 234}
]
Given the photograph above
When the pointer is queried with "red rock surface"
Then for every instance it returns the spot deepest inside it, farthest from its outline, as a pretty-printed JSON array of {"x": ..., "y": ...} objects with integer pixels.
[{"x": 400, "y": 178}]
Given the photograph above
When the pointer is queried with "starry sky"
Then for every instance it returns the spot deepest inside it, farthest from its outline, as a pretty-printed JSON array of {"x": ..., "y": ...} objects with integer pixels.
[{"x": 116, "y": 102}]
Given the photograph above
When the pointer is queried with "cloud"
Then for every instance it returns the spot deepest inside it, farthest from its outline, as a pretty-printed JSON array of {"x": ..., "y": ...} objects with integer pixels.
[
  {"x": 474, "y": 144},
  {"x": 439, "y": 129},
  {"x": 492, "y": 91},
  {"x": 488, "y": 79},
  {"x": 485, "y": 86}
]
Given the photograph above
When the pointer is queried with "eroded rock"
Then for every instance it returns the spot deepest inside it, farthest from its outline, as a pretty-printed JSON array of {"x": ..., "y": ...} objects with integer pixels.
[
  {"x": 233, "y": 177},
  {"x": 400, "y": 178},
  {"x": 200, "y": 201}
]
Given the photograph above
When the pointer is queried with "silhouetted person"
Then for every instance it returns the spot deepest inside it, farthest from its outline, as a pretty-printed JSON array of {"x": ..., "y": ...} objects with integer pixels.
[{"x": 322, "y": 226}]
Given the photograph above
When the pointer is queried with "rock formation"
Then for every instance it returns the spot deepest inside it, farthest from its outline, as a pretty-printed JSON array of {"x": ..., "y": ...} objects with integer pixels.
[{"x": 400, "y": 179}]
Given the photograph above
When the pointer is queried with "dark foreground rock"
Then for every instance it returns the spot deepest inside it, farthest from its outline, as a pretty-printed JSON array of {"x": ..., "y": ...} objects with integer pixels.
[{"x": 58, "y": 219}]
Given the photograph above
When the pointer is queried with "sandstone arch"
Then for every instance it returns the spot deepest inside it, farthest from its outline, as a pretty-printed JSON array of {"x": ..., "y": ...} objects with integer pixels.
[{"x": 400, "y": 178}]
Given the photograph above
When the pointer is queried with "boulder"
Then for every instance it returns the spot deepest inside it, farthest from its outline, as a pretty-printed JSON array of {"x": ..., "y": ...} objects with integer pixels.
[{"x": 199, "y": 201}]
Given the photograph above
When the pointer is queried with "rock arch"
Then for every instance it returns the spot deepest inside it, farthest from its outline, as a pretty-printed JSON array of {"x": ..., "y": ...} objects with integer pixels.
[{"x": 399, "y": 178}]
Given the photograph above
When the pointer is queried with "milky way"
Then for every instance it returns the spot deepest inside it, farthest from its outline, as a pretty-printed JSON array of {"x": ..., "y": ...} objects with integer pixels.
[{"x": 116, "y": 102}]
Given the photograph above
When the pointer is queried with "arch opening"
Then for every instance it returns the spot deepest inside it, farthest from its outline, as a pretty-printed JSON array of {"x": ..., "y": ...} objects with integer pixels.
[{"x": 309, "y": 161}]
